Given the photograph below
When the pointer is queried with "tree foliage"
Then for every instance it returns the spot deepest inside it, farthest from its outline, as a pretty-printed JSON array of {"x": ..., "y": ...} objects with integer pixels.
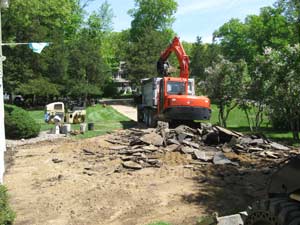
[
  {"x": 226, "y": 83},
  {"x": 202, "y": 56},
  {"x": 150, "y": 34},
  {"x": 142, "y": 58},
  {"x": 74, "y": 61},
  {"x": 284, "y": 82},
  {"x": 151, "y": 15}
]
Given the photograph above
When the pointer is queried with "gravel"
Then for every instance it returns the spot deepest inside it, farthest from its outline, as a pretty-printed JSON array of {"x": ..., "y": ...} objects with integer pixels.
[{"x": 43, "y": 136}]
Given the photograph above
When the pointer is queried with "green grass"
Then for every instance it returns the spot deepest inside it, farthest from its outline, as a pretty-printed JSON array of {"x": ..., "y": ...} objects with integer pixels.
[
  {"x": 237, "y": 118},
  {"x": 237, "y": 121},
  {"x": 159, "y": 223},
  {"x": 105, "y": 120}
]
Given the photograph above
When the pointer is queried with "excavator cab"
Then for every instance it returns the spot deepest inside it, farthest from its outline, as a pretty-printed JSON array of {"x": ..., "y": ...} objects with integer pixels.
[{"x": 175, "y": 103}]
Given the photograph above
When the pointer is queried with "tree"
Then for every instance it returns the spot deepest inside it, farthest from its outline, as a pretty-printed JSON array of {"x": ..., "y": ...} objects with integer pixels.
[
  {"x": 232, "y": 37},
  {"x": 39, "y": 87},
  {"x": 198, "y": 60},
  {"x": 149, "y": 35},
  {"x": 141, "y": 58},
  {"x": 151, "y": 15},
  {"x": 291, "y": 10},
  {"x": 258, "y": 89},
  {"x": 284, "y": 99},
  {"x": 225, "y": 85},
  {"x": 35, "y": 21},
  {"x": 87, "y": 70},
  {"x": 246, "y": 40}
]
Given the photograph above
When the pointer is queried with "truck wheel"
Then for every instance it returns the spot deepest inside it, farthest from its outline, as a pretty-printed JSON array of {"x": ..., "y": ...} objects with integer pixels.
[
  {"x": 152, "y": 122},
  {"x": 146, "y": 116},
  {"x": 274, "y": 211},
  {"x": 140, "y": 115}
]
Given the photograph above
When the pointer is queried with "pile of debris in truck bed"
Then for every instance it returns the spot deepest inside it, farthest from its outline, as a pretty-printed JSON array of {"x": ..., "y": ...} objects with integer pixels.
[{"x": 141, "y": 148}]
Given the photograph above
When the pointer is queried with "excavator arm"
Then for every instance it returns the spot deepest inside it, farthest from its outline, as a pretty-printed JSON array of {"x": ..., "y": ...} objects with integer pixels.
[{"x": 183, "y": 59}]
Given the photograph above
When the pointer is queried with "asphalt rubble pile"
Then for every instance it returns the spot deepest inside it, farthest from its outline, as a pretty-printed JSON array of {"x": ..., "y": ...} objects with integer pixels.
[{"x": 141, "y": 148}]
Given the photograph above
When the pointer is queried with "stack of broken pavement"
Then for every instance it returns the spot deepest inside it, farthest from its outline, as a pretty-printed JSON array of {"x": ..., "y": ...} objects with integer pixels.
[{"x": 140, "y": 148}]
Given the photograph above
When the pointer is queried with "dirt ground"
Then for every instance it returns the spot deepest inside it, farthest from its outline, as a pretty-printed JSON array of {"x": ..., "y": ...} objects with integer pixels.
[{"x": 56, "y": 182}]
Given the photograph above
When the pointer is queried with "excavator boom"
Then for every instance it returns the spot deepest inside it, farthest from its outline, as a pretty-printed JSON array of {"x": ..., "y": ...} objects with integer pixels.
[{"x": 182, "y": 57}]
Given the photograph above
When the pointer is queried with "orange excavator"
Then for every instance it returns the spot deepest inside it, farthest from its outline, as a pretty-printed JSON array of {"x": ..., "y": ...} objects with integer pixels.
[{"x": 172, "y": 98}]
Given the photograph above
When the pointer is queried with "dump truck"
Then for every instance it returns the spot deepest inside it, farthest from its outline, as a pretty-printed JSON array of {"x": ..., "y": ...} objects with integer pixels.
[{"x": 169, "y": 98}]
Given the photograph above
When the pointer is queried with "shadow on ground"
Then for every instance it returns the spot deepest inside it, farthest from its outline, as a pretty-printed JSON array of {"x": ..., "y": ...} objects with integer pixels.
[
  {"x": 229, "y": 189},
  {"x": 129, "y": 124}
]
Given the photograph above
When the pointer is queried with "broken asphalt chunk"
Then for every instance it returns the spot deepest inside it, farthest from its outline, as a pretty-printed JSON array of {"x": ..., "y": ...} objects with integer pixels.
[
  {"x": 203, "y": 156},
  {"x": 269, "y": 154},
  {"x": 150, "y": 148},
  {"x": 118, "y": 147},
  {"x": 187, "y": 150},
  {"x": 132, "y": 165},
  {"x": 173, "y": 141},
  {"x": 258, "y": 141},
  {"x": 221, "y": 159},
  {"x": 279, "y": 146},
  {"x": 192, "y": 144},
  {"x": 172, "y": 148},
  {"x": 255, "y": 149},
  {"x": 226, "y": 148},
  {"x": 152, "y": 138},
  {"x": 226, "y": 135}
]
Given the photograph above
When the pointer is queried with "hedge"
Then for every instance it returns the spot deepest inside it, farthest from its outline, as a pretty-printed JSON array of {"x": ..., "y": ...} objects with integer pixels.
[{"x": 19, "y": 124}]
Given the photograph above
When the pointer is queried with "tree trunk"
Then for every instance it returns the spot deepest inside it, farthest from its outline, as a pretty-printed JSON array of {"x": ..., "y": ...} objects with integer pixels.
[
  {"x": 34, "y": 99},
  {"x": 222, "y": 120},
  {"x": 259, "y": 117},
  {"x": 294, "y": 124},
  {"x": 248, "y": 120}
]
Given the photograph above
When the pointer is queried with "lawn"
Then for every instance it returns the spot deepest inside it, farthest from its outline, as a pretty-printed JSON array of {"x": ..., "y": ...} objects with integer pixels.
[
  {"x": 105, "y": 119},
  {"x": 237, "y": 121}
]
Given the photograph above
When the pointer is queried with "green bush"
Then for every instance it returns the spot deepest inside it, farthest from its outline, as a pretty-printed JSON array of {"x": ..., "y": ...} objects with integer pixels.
[
  {"x": 7, "y": 216},
  {"x": 279, "y": 120},
  {"x": 19, "y": 124}
]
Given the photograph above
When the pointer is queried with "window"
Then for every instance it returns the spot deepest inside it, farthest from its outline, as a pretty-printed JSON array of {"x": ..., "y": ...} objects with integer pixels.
[
  {"x": 176, "y": 88},
  {"x": 58, "y": 106}
]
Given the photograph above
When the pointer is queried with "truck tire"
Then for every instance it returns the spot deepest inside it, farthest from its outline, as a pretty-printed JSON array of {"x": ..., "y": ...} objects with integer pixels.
[
  {"x": 152, "y": 121},
  {"x": 146, "y": 116},
  {"x": 274, "y": 211},
  {"x": 140, "y": 115}
]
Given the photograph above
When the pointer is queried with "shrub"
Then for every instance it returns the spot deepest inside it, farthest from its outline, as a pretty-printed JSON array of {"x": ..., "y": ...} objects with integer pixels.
[
  {"x": 7, "y": 216},
  {"x": 19, "y": 124},
  {"x": 279, "y": 120}
]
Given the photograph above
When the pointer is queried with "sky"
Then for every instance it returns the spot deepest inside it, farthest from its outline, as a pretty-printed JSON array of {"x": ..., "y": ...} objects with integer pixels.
[{"x": 193, "y": 18}]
